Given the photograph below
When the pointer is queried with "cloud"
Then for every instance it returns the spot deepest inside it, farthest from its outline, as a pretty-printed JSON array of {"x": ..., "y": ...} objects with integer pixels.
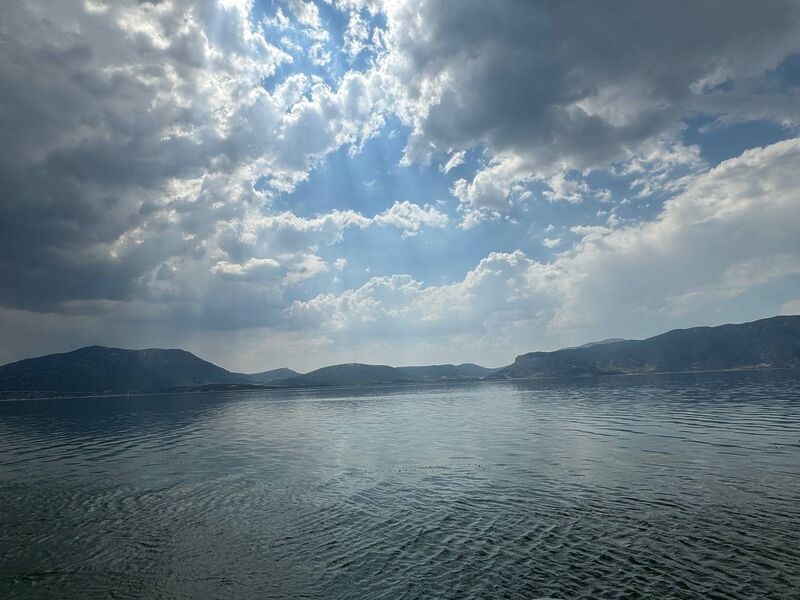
[
  {"x": 138, "y": 135},
  {"x": 548, "y": 87},
  {"x": 152, "y": 151},
  {"x": 252, "y": 267},
  {"x": 504, "y": 291},
  {"x": 489, "y": 194},
  {"x": 411, "y": 217},
  {"x": 308, "y": 15},
  {"x": 356, "y": 36},
  {"x": 455, "y": 160},
  {"x": 791, "y": 307},
  {"x": 285, "y": 233},
  {"x": 731, "y": 233},
  {"x": 563, "y": 188}
]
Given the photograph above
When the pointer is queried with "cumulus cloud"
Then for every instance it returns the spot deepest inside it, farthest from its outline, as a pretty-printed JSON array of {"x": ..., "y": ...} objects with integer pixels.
[
  {"x": 411, "y": 217},
  {"x": 356, "y": 36},
  {"x": 497, "y": 292},
  {"x": 488, "y": 194},
  {"x": 569, "y": 190},
  {"x": 732, "y": 232},
  {"x": 544, "y": 87},
  {"x": 308, "y": 15}
]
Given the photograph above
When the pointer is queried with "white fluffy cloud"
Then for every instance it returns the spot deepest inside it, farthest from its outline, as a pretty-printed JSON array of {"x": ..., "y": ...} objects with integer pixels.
[
  {"x": 287, "y": 233},
  {"x": 356, "y": 36},
  {"x": 411, "y": 217},
  {"x": 731, "y": 233}
]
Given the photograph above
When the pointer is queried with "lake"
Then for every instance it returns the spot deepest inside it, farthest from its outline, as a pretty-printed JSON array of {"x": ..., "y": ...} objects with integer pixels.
[{"x": 670, "y": 486}]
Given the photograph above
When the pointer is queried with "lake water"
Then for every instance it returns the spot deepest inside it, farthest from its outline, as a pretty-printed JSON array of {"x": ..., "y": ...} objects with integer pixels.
[{"x": 682, "y": 486}]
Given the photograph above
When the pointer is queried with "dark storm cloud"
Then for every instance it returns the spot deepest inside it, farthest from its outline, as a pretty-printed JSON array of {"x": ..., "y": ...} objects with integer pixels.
[
  {"x": 518, "y": 71},
  {"x": 84, "y": 152}
]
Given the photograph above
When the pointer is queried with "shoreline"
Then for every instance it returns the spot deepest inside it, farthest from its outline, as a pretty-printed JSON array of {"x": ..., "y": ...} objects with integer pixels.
[{"x": 267, "y": 388}]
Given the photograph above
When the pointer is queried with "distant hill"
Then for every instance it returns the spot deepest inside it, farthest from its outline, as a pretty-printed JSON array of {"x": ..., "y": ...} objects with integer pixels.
[
  {"x": 348, "y": 374},
  {"x": 773, "y": 342},
  {"x": 271, "y": 375},
  {"x": 97, "y": 369},
  {"x": 93, "y": 370},
  {"x": 362, "y": 374}
]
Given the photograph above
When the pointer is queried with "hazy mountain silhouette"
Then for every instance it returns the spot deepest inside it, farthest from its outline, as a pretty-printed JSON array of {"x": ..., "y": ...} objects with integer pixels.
[
  {"x": 362, "y": 374},
  {"x": 271, "y": 375}
]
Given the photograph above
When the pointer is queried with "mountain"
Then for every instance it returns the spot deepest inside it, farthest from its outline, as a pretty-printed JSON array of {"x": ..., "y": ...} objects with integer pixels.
[
  {"x": 271, "y": 375},
  {"x": 97, "y": 369},
  {"x": 773, "y": 342},
  {"x": 361, "y": 374}
]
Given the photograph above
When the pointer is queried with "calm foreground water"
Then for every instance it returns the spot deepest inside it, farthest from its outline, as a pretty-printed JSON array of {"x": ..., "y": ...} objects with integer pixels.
[{"x": 684, "y": 486}]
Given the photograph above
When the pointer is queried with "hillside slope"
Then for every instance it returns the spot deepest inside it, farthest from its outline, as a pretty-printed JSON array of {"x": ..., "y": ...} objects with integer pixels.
[
  {"x": 363, "y": 374},
  {"x": 773, "y": 342},
  {"x": 271, "y": 375},
  {"x": 97, "y": 369}
]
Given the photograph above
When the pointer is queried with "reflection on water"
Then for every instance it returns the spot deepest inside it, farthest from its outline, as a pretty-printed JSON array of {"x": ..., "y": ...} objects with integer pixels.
[{"x": 680, "y": 486}]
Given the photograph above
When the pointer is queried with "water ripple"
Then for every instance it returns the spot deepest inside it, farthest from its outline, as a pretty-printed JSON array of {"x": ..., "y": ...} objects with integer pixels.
[{"x": 663, "y": 487}]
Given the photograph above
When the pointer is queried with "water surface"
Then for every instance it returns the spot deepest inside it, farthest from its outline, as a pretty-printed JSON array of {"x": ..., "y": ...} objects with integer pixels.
[{"x": 682, "y": 486}]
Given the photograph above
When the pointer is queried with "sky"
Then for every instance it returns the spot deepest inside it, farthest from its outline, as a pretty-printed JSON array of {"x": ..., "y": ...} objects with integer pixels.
[{"x": 274, "y": 183}]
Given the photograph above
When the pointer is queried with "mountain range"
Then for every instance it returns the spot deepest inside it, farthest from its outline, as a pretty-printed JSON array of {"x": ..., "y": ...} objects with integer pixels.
[
  {"x": 94, "y": 370},
  {"x": 361, "y": 374},
  {"x": 767, "y": 343}
]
